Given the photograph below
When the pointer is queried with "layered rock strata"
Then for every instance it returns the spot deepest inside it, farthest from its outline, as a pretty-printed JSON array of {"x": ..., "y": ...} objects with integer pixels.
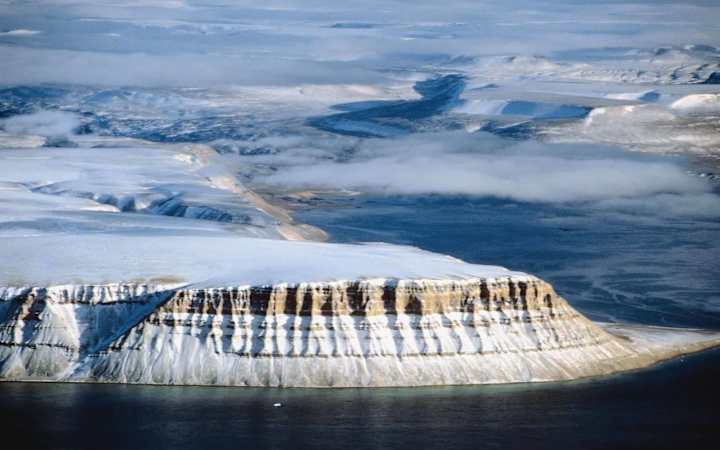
[{"x": 337, "y": 334}]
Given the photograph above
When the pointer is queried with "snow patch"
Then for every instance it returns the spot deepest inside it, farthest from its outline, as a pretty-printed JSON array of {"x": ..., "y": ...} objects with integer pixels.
[
  {"x": 644, "y": 96},
  {"x": 523, "y": 108},
  {"x": 698, "y": 104}
]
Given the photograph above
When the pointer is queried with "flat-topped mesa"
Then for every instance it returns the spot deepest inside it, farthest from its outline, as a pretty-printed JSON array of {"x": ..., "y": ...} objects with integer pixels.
[{"x": 343, "y": 333}]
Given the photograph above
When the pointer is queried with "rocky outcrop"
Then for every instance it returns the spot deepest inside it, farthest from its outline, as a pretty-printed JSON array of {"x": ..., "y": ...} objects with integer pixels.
[{"x": 344, "y": 333}]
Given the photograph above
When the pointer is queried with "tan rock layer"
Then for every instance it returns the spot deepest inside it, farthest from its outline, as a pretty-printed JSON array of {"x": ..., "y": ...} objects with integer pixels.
[{"x": 369, "y": 299}]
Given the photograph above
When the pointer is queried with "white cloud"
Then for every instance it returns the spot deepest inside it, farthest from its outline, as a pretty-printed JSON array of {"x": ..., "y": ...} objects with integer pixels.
[
  {"x": 42, "y": 123},
  {"x": 483, "y": 165},
  {"x": 20, "y": 32}
]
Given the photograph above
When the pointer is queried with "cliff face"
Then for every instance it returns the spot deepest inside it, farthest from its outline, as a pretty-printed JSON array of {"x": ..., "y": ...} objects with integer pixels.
[{"x": 362, "y": 333}]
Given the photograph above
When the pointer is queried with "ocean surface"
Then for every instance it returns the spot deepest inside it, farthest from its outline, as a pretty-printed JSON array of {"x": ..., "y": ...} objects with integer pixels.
[
  {"x": 671, "y": 406},
  {"x": 656, "y": 268}
]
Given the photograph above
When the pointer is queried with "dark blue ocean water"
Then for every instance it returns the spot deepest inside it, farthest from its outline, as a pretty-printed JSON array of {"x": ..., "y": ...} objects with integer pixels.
[
  {"x": 672, "y": 406},
  {"x": 612, "y": 265}
]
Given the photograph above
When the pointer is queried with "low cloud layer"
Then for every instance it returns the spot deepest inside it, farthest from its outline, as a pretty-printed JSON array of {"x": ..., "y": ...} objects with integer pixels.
[
  {"x": 483, "y": 165},
  {"x": 20, "y": 32},
  {"x": 42, "y": 123}
]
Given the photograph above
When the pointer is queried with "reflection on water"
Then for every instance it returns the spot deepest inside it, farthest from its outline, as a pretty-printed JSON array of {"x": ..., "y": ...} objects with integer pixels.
[
  {"x": 654, "y": 269},
  {"x": 670, "y": 406}
]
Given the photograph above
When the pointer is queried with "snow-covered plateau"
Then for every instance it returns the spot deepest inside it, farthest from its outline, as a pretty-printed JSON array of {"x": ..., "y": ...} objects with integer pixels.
[{"x": 152, "y": 264}]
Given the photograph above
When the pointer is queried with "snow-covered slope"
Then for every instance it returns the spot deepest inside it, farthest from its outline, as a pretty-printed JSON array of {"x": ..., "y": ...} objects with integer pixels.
[
  {"x": 687, "y": 124},
  {"x": 663, "y": 65},
  {"x": 67, "y": 188},
  {"x": 698, "y": 104}
]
